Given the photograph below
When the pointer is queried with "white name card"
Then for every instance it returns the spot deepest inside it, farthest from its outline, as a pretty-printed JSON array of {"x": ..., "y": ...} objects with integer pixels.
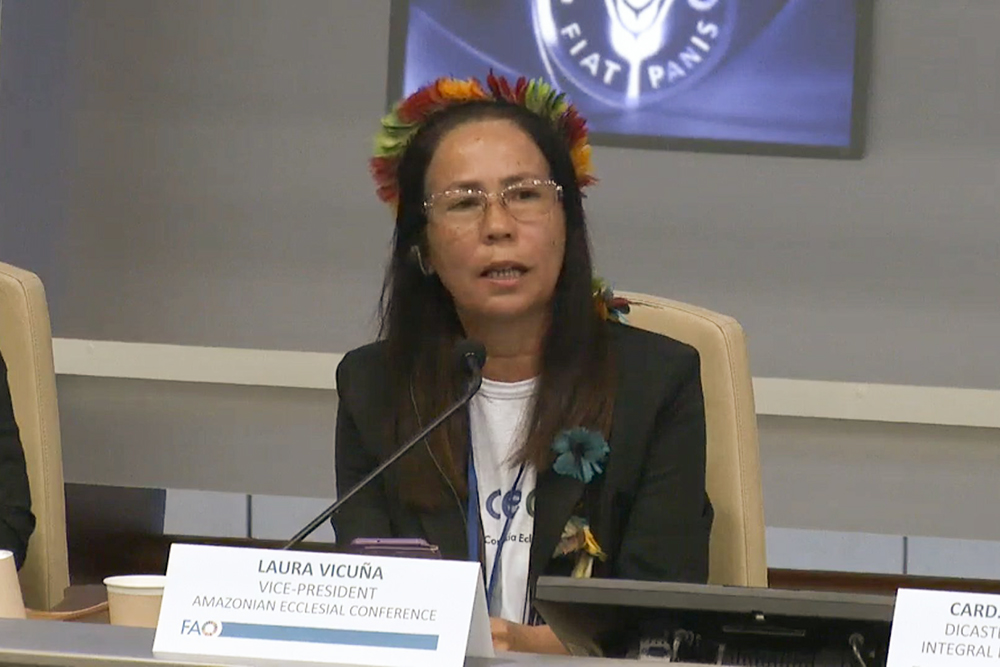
[
  {"x": 293, "y": 606},
  {"x": 931, "y": 628}
]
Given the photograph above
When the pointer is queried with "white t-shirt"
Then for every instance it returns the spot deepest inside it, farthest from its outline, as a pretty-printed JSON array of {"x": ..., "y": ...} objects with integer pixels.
[{"x": 498, "y": 417}]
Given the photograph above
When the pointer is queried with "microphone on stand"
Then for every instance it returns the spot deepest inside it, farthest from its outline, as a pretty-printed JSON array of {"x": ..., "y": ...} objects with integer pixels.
[{"x": 471, "y": 356}]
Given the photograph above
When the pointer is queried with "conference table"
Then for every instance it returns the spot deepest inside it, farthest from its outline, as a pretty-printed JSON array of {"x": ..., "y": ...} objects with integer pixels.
[{"x": 88, "y": 644}]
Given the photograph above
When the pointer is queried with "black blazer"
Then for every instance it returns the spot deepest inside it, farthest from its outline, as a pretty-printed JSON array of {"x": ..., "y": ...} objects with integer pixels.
[
  {"x": 16, "y": 520},
  {"x": 648, "y": 511}
]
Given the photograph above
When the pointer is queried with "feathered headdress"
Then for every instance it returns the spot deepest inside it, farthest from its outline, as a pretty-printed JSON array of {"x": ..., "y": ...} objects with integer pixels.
[{"x": 401, "y": 124}]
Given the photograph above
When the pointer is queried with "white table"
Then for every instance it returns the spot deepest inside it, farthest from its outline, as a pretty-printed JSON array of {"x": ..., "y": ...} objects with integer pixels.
[{"x": 87, "y": 644}]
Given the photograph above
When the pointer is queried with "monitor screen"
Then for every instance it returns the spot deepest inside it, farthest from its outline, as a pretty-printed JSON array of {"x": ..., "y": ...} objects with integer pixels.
[{"x": 781, "y": 77}]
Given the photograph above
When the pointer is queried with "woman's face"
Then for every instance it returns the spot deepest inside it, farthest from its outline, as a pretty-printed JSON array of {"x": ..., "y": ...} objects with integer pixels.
[{"x": 495, "y": 266}]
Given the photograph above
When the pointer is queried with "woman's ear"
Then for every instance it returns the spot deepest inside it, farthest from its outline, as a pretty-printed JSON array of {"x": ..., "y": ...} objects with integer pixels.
[{"x": 417, "y": 256}]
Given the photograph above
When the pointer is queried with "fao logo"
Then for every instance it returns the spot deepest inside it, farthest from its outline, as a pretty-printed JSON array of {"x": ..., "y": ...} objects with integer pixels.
[
  {"x": 200, "y": 628},
  {"x": 629, "y": 53}
]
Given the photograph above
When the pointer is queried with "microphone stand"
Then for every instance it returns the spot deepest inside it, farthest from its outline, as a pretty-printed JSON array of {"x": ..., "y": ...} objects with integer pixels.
[{"x": 474, "y": 383}]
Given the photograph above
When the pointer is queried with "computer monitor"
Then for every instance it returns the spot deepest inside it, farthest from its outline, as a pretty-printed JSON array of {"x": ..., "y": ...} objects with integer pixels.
[
  {"x": 716, "y": 624},
  {"x": 777, "y": 77}
]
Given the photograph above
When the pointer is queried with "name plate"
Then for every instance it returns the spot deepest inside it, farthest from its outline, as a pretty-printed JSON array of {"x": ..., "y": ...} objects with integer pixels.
[
  {"x": 931, "y": 628},
  {"x": 292, "y": 606}
]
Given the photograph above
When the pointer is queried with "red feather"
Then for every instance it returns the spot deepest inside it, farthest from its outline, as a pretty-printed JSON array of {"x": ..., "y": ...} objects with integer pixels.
[
  {"x": 574, "y": 126},
  {"x": 418, "y": 105},
  {"x": 499, "y": 86},
  {"x": 520, "y": 90},
  {"x": 382, "y": 166}
]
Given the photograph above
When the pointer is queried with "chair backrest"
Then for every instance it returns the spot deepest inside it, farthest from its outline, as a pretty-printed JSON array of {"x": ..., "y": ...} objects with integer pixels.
[
  {"x": 736, "y": 550},
  {"x": 26, "y": 343}
]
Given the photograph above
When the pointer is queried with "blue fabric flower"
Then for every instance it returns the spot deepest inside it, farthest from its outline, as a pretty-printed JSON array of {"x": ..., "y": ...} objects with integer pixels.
[{"x": 580, "y": 454}]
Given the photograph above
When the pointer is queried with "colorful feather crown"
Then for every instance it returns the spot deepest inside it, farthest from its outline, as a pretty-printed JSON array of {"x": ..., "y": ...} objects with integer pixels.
[{"x": 401, "y": 124}]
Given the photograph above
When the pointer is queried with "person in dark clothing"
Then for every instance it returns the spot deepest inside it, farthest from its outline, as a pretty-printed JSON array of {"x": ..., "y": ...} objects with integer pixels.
[
  {"x": 583, "y": 451},
  {"x": 16, "y": 520}
]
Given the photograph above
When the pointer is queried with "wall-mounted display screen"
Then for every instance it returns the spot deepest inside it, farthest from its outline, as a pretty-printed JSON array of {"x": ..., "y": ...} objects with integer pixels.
[{"x": 785, "y": 77}]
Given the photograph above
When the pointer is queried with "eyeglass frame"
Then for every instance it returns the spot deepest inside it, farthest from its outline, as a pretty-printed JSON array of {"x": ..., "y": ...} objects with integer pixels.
[{"x": 490, "y": 196}]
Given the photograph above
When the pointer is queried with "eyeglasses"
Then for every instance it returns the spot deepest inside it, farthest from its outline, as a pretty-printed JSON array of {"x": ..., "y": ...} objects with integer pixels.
[{"x": 526, "y": 201}]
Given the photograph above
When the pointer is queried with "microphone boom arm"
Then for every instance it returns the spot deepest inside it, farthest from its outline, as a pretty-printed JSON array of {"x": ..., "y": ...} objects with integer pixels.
[{"x": 474, "y": 383}]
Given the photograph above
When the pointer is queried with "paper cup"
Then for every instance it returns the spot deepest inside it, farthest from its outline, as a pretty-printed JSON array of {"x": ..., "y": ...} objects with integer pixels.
[
  {"x": 134, "y": 599},
  {"x": 11, "y": 602}
]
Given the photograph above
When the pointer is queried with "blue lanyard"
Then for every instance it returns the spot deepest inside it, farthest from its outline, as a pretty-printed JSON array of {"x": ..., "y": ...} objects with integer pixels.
[{"x": 473, "y": 523}]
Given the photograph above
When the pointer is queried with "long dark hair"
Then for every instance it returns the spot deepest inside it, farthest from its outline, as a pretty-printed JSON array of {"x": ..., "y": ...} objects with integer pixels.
[{"x": 420, "y": 325}]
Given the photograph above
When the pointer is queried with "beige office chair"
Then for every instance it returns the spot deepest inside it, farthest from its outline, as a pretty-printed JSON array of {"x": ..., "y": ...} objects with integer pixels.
[
  {"x": 736, "y": 551},
  {"x": 26, "y": 343}
]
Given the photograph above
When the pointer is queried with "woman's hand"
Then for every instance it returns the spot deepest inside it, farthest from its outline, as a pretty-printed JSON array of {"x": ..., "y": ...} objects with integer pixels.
[{"x": 509, "y": 636}]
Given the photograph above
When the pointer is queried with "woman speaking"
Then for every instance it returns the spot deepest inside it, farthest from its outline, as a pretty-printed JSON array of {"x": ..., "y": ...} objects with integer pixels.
[{"x": 583, "y": 453}]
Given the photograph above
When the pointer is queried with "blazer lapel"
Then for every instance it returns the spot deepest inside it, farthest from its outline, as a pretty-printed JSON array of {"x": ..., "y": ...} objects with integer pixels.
[
  {"x": 555, "y": 497},
  {"x": 443, "y": 527}
]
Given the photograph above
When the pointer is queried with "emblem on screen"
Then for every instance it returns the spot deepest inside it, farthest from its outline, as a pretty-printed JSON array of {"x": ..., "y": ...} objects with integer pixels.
[{"x": 629, "y": 53}]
